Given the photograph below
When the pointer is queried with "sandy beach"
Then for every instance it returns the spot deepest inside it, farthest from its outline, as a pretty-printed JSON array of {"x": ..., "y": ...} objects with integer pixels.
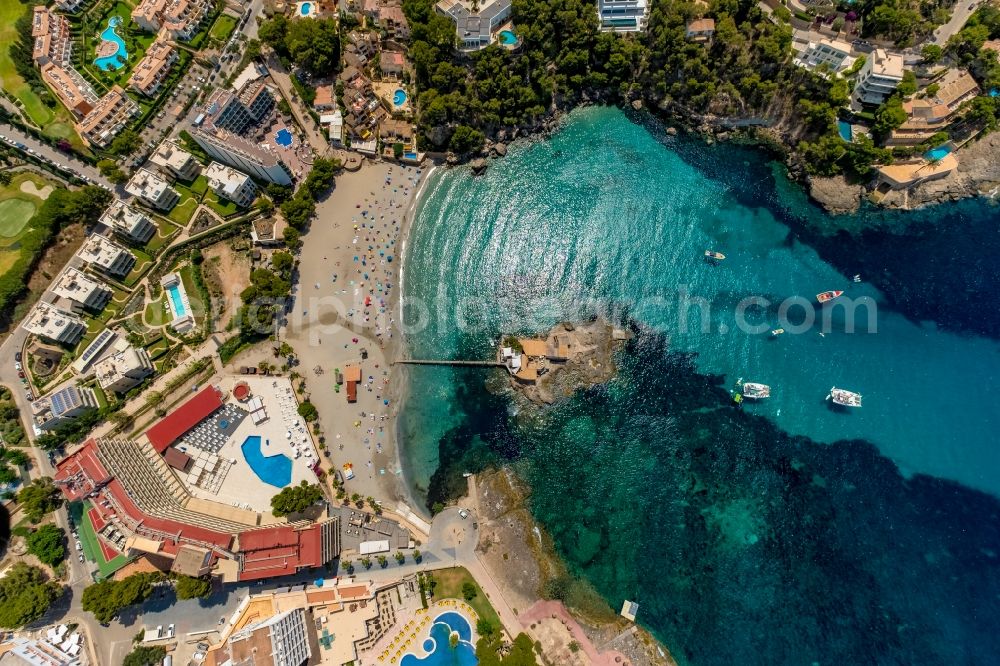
[{"x": 345, "y": 313}]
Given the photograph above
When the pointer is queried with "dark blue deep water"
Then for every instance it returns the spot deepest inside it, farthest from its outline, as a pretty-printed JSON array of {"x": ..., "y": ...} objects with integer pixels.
[{"x": 780, "y": 533}]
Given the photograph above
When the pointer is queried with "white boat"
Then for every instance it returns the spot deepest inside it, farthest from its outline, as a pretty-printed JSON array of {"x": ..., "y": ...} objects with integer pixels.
[
  {"x": 844, "y": 397},
  {"x": 754, "y": 391}
]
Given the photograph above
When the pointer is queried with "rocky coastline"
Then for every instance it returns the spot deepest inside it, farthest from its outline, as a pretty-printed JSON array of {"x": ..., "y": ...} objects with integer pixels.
[{"x": 567, "y": 358}]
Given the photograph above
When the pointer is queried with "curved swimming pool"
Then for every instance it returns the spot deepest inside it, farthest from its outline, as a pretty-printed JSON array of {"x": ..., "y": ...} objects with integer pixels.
[
  {"x": 508, "y": 38},
  {"x": 116, "y": 59},
  {"x": 438, "y": 646},
  {"x": 399, "y": 97},
  {"x": 304, "y": 8},
  {"x": 273, "y": 470}
]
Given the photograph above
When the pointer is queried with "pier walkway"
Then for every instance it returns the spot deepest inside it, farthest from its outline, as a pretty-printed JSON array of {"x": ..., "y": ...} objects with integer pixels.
[{"x": 480, "y": 364}]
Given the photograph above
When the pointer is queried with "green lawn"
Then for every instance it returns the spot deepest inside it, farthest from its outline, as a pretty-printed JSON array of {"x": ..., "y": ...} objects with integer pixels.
[
  {"x": 223, "y": 207},
  {"x": 89, "y": 539},
  {"x": 182, "y": 212},
  {"x": 449, "y": 586},
  {"x": 157, "y": 313},
  {"x": 223, "y": 28},
  {"x": 14, "y": 214},
  {"x": 194, "y": 296},
  {"x": 143, "y": 262},
  {"x": 164, "y": 232}
]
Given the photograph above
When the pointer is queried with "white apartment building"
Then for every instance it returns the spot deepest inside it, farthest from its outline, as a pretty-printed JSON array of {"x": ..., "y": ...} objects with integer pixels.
[
  {"x": 108, "y": 117},
  {"x": 80, "y": 291},
  {"x": 148, "y": 14},
  {"x": 152, "y": 189},
  {"x": 50, "y": 322},
  {"x": 231, "y": 184},
  {"x": 63, "y": 405},
  {"x": 286, "y": 634},
  {"x": 123, "y": 369},
  {"x": 241, "y": 154},
  {"x": 129, "y": 223},
  {"x": 622, "y": 15},
  {"x": 107, "y": 256},
  {"x": 173, "y": 159},
  {"x": 475, "y": 22},
  {"x": 879, "y": 76},
  {"x": 148, "y": 76},
  {"x": 834, "y": 53}
]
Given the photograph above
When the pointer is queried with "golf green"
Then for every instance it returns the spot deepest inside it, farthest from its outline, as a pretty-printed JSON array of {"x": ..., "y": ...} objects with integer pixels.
[{"x": 14, "y": 214}]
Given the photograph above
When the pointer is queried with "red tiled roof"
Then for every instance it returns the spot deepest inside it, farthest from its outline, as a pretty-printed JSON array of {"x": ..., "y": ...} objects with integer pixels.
[
  {"x": 176, "y": 458},
  {"x": 185, "y": 417},
  {"x": 279, "y": 551},
  {"x": 81, "y": 472}
]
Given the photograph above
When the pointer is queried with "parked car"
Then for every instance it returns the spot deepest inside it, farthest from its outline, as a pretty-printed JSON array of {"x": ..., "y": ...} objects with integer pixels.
[
  {"x": 81, "y": 559},
  {"x": 463, "y": 513},
  {"x": 17, "y": 356}
]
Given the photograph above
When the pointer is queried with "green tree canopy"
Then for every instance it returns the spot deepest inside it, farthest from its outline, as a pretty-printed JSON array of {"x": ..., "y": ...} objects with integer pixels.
[
  {"x": 25, "y": 595},
  {"x": 145, "y": 655},
  {"x": 188, "y": 587},
  {"x": 39, "y": 498},
  {"x": 295, "y": 499},
  {"x": 48, "y": 544},
  {"x": 109, "y": 597}
]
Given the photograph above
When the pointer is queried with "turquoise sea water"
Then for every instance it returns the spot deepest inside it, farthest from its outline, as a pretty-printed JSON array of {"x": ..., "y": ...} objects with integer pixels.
[{"x": 785, "y": 532}]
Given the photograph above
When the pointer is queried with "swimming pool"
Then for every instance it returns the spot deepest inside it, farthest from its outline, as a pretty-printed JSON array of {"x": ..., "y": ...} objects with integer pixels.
[
  {"x": 304, "y": 8},
  {"x": 508, "y": 38},
  {"x": 116, "y": 59},
  {"x": 283, "y": 137},
  {"x": 176, "y": 301},
  {"x": 845, "y": 129},
  {"x": 439, "y": 648},
  {"x": 938, "y": 153},
  {"x": 399, "y": 97},
  {"x": 273, "y": 470}
]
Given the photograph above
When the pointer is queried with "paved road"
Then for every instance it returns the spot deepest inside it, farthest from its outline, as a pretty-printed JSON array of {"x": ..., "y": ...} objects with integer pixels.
[
  {"x": 65, "y": 162},
  {"x": 963, "y": 10}
]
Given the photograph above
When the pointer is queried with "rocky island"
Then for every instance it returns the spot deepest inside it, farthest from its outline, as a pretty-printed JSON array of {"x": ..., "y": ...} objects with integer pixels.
[{"x": 568, "y": 357}]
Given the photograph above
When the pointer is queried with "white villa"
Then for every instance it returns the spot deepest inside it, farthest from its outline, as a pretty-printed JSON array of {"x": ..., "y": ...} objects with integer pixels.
[
  {"x": 123, "y": 369},
  {"x": 475, "y": 22},
  {"x": 50, "y": 322},
  {"x": 622, "y": 15},
  {"x": 80, "y": 292},
  {"x": 107, "y": 256},
  {"x": 231, "y": 184},
  {"x": 176, "y": 161},
  {"x": 152, "y": 189},
  {"x": 129, "y": 223}
]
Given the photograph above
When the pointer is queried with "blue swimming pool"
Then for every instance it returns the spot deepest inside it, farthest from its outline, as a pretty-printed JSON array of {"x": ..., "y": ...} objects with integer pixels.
[
  {"x": 938, "y": 153},
  {"x": 439, "y": 647},
  {"x": 283, "y": 137},
  {"x": 845, "y": 129},
  {"x": 117, "y": 59},
  {"x": 508, "y": 38},
  {"x": 399, "y": 97},
  {"x": 304, "y": 8},
  {"x": 273, "y": 470},
  {"x": 176, "y": 301}
]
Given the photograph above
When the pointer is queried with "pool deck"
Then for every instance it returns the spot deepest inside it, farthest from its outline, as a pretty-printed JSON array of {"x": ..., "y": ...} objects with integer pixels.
[
  {"x": 385, "y": 91},
  {"x": 241, "y": 485},
  {"x": 411, "y": 629}
]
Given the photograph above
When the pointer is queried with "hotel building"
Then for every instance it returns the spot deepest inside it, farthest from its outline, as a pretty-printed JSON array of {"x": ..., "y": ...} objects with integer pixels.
[
  {"x": 879, "y": 76},
  {"x": 238, "y": 111},
  {"x": 128, "y": 223},
  {"x": 152, "y": 70},
  {"x": 50, "y": 322},
  {"x": 52, "y": 39},
  {"x": 182, "y": 18},
  {"x": 622, "y": 15},
  {"x": 231, "y": 184},
  {"x": 108, "y": 117},
  {"x": 107, "y": 256},
  {"x": 475, "y": 23},
  {"x": 283, "y": 638},
  {"x": 176, "y": 161},
  {"x": 80, "y": 291},
  {"x": 123, "y": 369},
  {"x": 152, "y": 189},
  {"x": 244, "y": 155},
  {"x": 71, "y": 88}
]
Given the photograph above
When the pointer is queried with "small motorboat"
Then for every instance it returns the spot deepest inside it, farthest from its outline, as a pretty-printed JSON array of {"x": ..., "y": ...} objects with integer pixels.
[
  {"x": 776, "y": 332},
  {"x": 754, "y": 391},
  {"x": 844, "y": 397},
  {"x": 714, "y": 256},
  {"x": 827, "y": 296}
]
